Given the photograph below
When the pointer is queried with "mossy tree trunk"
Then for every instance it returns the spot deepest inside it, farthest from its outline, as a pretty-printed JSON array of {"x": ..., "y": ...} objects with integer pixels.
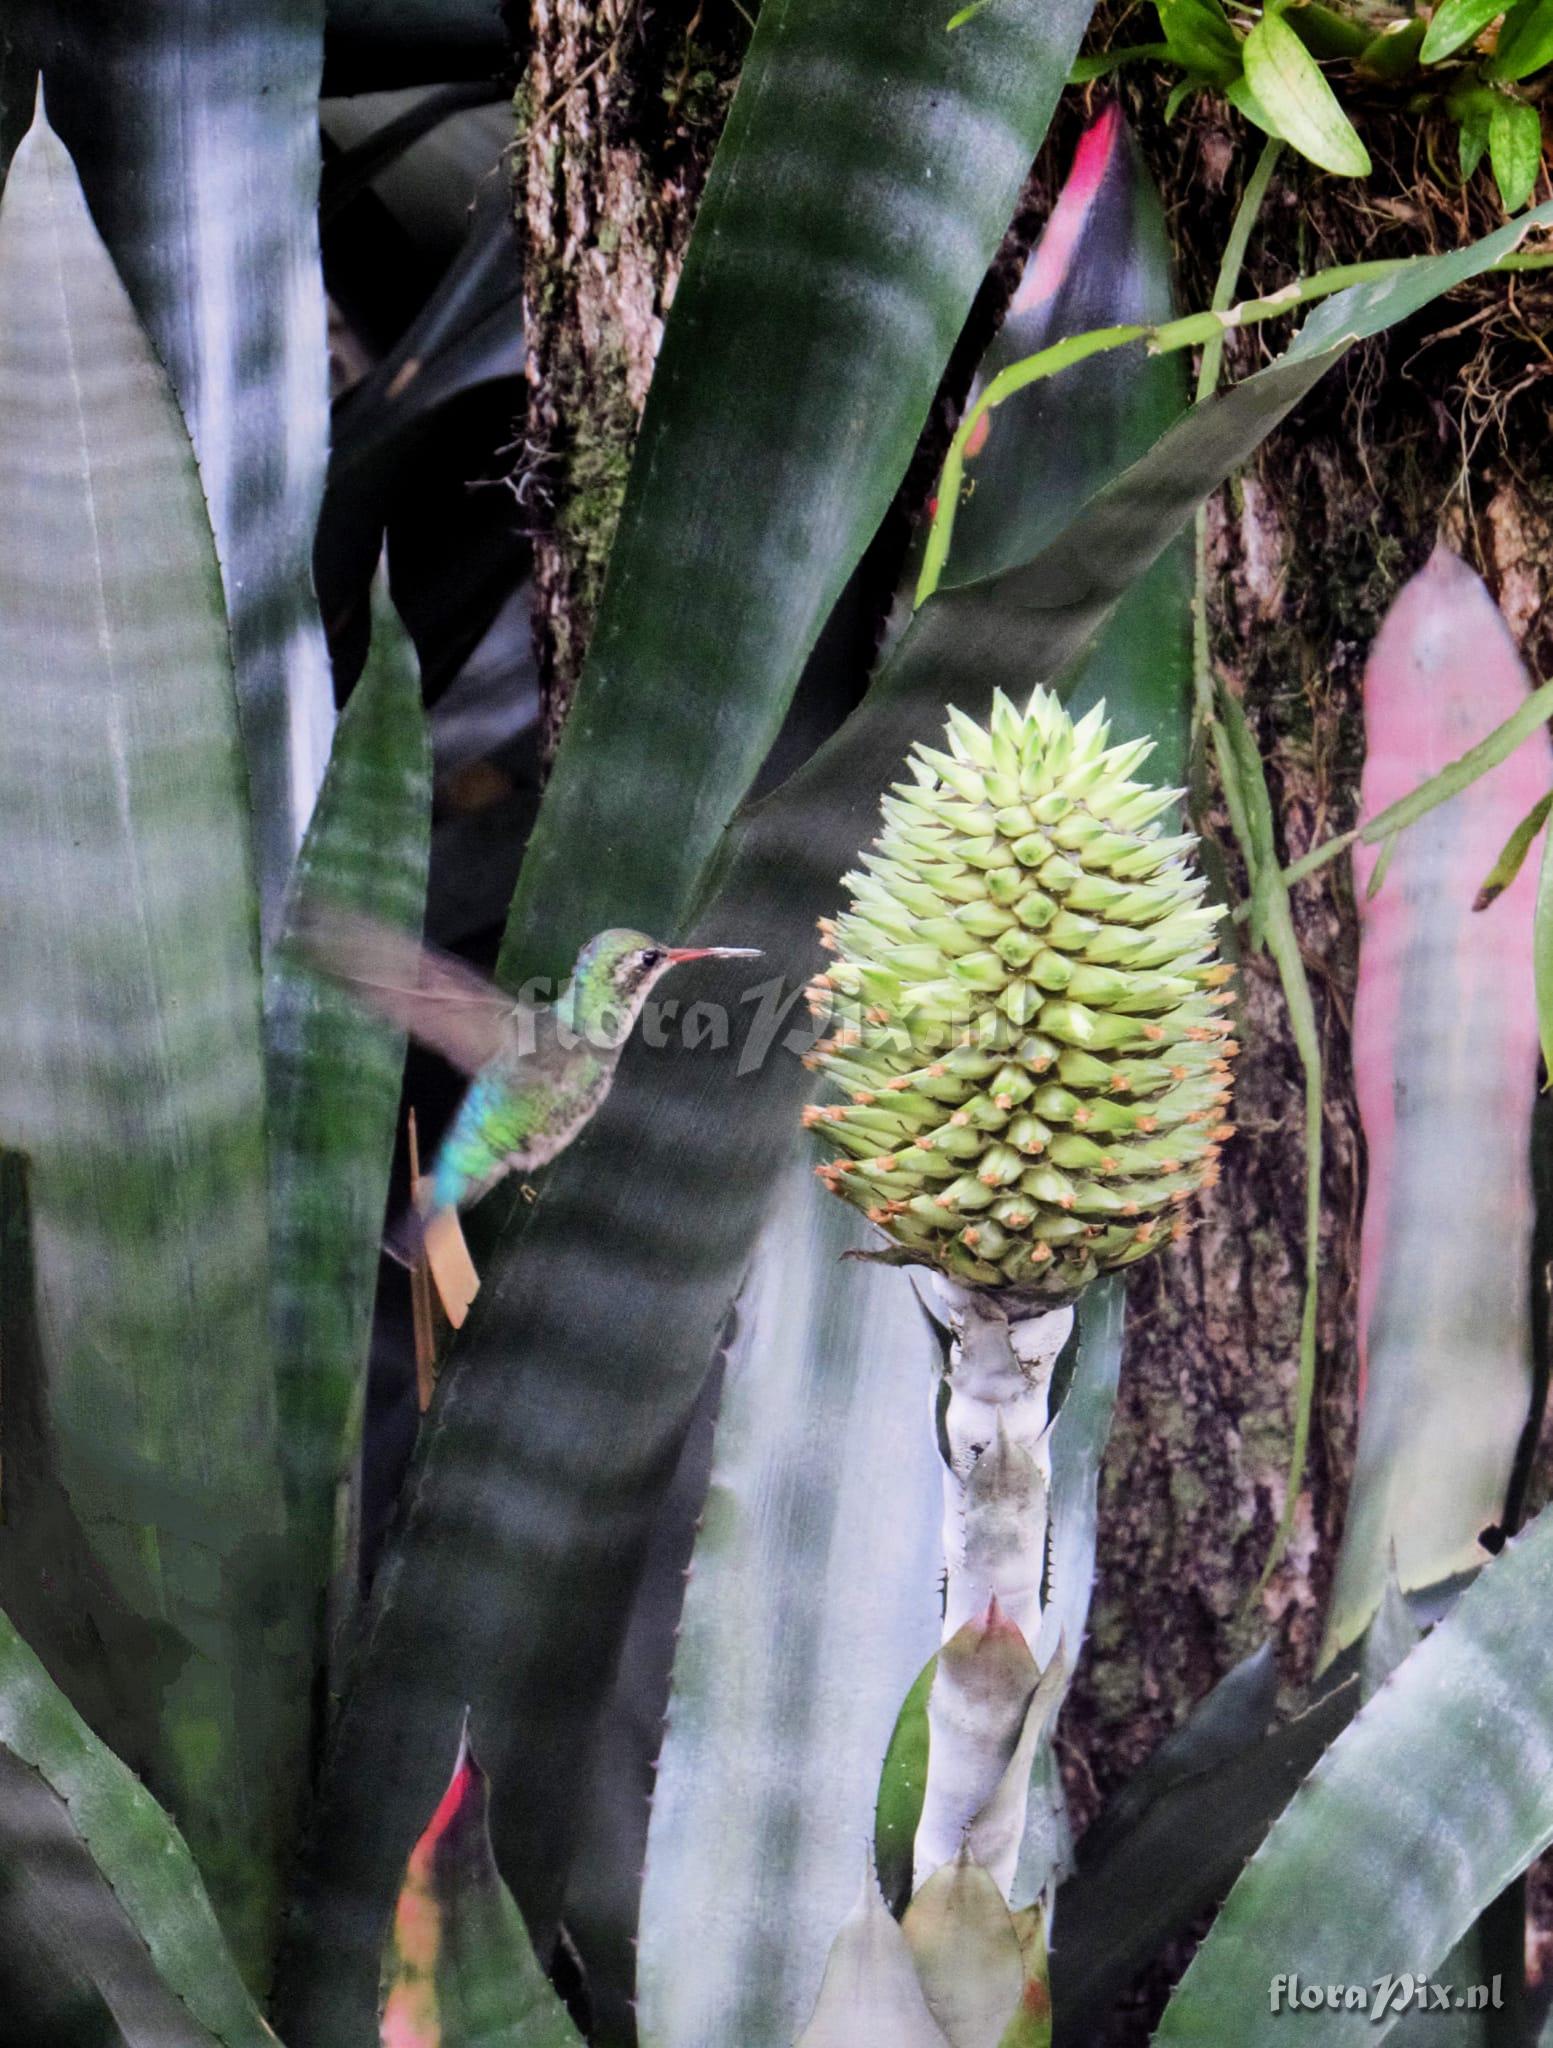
[
  {"x": 619, "y": 110},
  {"x": 1413, "y": 438}
]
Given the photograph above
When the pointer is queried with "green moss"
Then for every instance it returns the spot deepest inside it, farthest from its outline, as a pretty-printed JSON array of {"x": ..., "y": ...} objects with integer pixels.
[{"x": 593, "y": 466}]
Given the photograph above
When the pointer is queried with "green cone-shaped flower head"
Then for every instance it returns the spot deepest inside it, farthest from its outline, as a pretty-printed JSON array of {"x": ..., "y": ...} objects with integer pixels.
[{"x": 1029, "y": 1055}]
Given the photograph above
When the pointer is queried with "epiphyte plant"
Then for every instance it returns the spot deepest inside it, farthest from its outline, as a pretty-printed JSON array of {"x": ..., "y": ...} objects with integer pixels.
[{"x": 538, "y": 1072}]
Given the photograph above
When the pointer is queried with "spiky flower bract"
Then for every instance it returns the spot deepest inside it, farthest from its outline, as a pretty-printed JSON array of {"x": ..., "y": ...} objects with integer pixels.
[{"x": 1029, "y": 1043}]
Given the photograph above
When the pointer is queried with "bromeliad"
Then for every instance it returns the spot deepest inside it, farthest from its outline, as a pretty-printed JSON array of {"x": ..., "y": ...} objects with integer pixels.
[{"x": 539, "y": 1070}]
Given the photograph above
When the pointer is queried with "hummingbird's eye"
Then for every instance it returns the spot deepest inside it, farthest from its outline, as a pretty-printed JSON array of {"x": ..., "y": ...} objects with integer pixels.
[{"x": 651, "y": 956}]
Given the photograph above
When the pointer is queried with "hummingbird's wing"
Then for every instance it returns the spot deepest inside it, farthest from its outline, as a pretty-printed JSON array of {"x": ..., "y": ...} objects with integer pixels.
[{"x": 438, "y": 1000}]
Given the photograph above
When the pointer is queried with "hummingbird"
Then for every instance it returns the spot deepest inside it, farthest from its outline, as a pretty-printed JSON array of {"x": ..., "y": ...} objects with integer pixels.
[{"x": 538, "y": 1071}]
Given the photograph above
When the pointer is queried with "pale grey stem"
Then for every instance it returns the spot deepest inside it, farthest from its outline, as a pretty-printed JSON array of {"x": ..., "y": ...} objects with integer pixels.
[{"x": 989, "y": 1695}]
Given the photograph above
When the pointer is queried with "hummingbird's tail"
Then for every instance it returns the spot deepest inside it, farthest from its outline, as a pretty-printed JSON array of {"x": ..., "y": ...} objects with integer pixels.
[{"x": 437, "y": 1237}]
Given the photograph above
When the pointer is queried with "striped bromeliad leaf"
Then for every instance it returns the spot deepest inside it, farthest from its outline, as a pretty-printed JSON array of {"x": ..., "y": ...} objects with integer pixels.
[
  {"x": 334, "y": 1074},
  {"x": 1431, "y": 1801},
  {"x": 459, "y": 1970},
  {"x": 1445, "y": 1066},
  {"x": 105, "y": 1929},
  {"x": 812, "y": 1601},
  {"x": 133, "y": 1078},
  {"x": 194, "y": 125}
]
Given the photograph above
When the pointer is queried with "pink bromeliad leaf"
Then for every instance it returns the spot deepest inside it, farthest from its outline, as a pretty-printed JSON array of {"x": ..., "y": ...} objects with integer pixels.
[{"x": 1445, "y": 1067}]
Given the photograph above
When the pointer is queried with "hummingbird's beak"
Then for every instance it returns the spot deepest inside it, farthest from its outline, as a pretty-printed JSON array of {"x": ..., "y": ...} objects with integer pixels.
[{"x": 676, "y": 954}]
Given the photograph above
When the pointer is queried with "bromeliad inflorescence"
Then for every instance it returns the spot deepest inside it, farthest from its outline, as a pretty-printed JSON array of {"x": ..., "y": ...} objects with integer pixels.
[{"x": 1029, "y": 1036}]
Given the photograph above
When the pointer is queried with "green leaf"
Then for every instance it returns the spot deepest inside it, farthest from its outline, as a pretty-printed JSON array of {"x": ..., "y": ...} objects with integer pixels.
[
  {"x": 179, "y": 118},
  {"x": 1200, "y": 38},
  {"x": 1445, "y": 1056},
  {"x": 1174, "y": 1838},
  {"x": 1472, "y": 140},
  {"x": 825, "y": 1496},
  {"x": 1515, "y": 151},
  {"x": 335, "y": 1074},
  {"x": 1513, "y": 854},
  {"x": 898, "y": 1807},
  {"x": 1303, "y": 108},
  {"x": 1525, "y": 42},
  {"x": 869, "y": 166},
  {"x": 1435, "y": 1796},
  {"x": 1240, "y": 96},
  {"x": 133, "y": 1077},
  {"x": 459, "y": 1970},
  {"x": 99, "y": 1887},
  {"x": 1455, "y": 24}
]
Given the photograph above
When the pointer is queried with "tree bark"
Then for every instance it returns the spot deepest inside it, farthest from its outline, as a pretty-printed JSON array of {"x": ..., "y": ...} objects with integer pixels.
[{"x": 619, "y": 113}]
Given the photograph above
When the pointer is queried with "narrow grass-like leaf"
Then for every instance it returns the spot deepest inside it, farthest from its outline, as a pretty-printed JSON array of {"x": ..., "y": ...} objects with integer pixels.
[
  {"x": 133, "y": 1076},
  {"x": 1438, "y": 1793},
  {"x": 1303, "y": 109},
  {"x": 812, "y": 1601},
  {"x": 334, "y": 1080},
  {"x": 1272, "y": 924},
  {"x": 194, "y": 124},
  {"x": 869, "y": 165},
  {"x": 459, "y": 1970},
  {"x": 1460, "y": 774},
  {"x": 1445, "y": 1064},
  {"x": 96, "y": 1875},
  {"x": 1512, "y": 855}
]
